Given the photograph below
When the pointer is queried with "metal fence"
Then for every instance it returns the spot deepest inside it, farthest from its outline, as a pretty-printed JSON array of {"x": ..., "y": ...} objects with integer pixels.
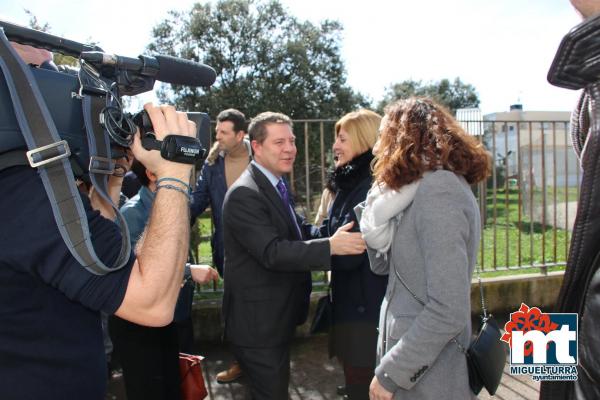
[{"x": 527, "y": 205}]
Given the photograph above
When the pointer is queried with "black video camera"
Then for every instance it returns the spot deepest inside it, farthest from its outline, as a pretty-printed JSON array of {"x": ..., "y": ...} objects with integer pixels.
[
  {"x": 178, "y": 148},
  {"x": 107, "y": 77}
]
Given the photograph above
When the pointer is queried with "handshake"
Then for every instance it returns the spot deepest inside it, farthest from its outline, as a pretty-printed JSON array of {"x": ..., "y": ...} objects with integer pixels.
[{"x": 344, "y": 242}]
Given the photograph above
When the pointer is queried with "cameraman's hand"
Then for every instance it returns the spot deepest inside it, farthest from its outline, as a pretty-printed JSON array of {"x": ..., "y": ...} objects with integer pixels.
[
  {"x": 32, "y": 55},
  {"x": 115, "y": 181},
  {"x": 165, "y": 121},
  {"x": 343, "y": 242}
]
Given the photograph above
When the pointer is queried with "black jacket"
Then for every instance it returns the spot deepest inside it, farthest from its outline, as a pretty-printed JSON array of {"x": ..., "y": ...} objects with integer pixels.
[
  {"x": 357, "y": 292},
  {"x": 267, "y": 266},
  {"x": 580, "y": 291}
]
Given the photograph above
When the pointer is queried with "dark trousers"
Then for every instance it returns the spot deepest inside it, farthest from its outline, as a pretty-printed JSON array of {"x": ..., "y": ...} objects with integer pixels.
[
  {"x": 267, "y": 370},
  {"x": 185, "y": 331},
  {"x": 183, "y": 316},
  {"x": 149, "y": 358},
  {"x": 358, "y": 380}
]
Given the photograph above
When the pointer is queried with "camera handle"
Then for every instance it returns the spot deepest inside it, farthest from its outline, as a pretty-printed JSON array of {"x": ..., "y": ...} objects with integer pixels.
[{"x": 50, "y": 155}]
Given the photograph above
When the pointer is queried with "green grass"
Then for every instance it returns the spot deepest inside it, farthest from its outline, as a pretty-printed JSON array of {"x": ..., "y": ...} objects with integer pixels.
[
  {"x": 200, "y": 244},
  {"x": 511, "y": 238},
  {"x": 562, "y": 193}
]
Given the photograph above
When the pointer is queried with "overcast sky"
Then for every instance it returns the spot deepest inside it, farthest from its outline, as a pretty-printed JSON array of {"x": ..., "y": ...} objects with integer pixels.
[{"x": 503, "y": 47}]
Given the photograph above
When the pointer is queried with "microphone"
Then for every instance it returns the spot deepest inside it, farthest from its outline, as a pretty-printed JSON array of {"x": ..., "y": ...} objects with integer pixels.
[
  {"x": 174, "y": 70},
  {"x": 180, "y": 71}
]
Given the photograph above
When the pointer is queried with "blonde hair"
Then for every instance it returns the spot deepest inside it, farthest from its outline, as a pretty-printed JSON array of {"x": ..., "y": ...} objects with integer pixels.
[
  {"x": 213, "y": 154},
  {"x": 361, "y": 126}
]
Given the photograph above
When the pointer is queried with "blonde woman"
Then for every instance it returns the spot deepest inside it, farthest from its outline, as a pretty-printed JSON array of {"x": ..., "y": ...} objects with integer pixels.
[{"x": 356, "y": 291}]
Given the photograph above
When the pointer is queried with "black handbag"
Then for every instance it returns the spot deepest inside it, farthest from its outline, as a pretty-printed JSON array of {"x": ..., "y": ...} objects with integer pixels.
[
  {"x": 486, "y": 355},
  {"x": 323, "y": 318}
]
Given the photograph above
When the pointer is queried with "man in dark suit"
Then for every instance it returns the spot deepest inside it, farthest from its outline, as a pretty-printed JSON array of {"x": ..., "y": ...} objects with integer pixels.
[{"x": 267, "y": 262}]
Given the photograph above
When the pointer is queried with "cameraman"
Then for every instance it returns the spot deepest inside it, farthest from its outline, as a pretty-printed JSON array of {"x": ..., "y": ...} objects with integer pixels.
[{"x": 50, "y": 333}]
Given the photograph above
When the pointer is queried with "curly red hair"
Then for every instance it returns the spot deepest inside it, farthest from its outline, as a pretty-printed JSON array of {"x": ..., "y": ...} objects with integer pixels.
[{"x": 419, "y": 135}]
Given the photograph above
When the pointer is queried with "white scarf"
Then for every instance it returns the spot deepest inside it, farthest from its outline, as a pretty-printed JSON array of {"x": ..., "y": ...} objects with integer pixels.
[{"x": 380, "y": 213}]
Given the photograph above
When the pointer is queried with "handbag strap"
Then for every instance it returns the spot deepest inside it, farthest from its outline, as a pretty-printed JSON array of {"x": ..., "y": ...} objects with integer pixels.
[
  {"x": 483, "y": 309},
  {"x": 482, "y": 297},
  {"x": 485, "y": 316},
  {"x": 418, "y": 299}
]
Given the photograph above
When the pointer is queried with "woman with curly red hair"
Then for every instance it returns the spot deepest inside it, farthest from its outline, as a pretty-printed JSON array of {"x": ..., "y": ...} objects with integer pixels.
[{"x": 422, "y": 226}]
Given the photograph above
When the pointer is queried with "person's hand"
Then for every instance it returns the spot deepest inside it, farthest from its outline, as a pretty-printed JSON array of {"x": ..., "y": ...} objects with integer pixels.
[
  {"x": 122, "y": 165},
  {"x": 115, "y": 182},
  {"x": 165, "y": 121},
  {"x": 203, "y": 273},
  {"x": 32, "y": 55},
  {"x": 378, "y": 392},
  {"x": 344, "y": 242}
]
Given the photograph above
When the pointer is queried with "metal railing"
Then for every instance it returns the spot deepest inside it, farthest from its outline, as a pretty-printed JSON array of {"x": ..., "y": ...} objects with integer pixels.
[{"x": 527, "y": 205}]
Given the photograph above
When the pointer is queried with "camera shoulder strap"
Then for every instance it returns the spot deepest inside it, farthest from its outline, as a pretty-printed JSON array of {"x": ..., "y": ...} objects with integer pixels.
[
  {"x": 50, "y": 155},
  {"x": 101, "y": 165}
]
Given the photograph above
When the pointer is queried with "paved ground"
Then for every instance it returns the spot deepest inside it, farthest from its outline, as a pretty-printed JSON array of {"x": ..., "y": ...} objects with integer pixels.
[
  {"x": 514, "y": 387},
  {"x": 314, "y": 376}
]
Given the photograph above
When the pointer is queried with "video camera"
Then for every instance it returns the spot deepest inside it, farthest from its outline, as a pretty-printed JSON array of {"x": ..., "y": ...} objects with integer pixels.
[
  {"x": 72, "y": 123},
  {"x": 105, "y": 77}
]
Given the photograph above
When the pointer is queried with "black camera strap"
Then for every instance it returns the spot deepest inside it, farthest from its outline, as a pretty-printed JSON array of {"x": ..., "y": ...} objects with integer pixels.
[{"x": 50, "y": 155}]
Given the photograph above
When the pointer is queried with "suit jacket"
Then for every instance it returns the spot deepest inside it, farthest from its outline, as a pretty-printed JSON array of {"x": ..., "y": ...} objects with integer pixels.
[
  {"x": 211, "y": 187},
  {"x": 267, "y": 265},
  {"x": 210, "y": 190},
  {"x": 434, "y": 251}
]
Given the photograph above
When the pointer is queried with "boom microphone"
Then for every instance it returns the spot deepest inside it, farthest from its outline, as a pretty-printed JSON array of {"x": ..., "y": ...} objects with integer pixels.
[{"x": 177, "y": 71}]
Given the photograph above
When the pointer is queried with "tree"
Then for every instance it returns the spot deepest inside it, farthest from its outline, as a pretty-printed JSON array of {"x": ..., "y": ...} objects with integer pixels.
[
  {"x": 265, "y": 58},
  {"x": 453, "y": 95}
]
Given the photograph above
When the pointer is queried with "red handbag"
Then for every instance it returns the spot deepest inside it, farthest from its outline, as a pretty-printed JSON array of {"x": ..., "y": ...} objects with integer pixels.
[{"x": 192, "y": 380}]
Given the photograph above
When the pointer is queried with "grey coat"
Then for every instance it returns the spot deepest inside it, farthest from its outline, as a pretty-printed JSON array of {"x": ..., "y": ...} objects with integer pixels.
[{"x": 434, "y": 250}]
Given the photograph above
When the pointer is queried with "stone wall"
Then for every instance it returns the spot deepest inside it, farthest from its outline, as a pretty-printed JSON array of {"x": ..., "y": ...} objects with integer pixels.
[{"x": 502, "y": 295}]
